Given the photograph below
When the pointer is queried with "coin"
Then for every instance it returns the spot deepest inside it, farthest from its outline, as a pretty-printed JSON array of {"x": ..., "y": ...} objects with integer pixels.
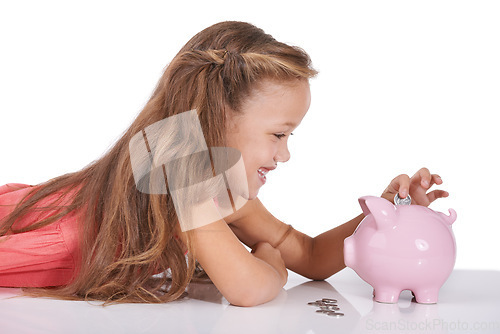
[
  {"x": 329, "y": 300},
  {"x": 402, "y": 201},
  {"x": 329, "y": 307},
  {"x": 335, "y": 314},
  {"x": 331, "y": 313}
]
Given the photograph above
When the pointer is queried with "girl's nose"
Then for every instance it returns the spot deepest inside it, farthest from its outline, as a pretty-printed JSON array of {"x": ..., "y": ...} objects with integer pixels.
[{"x": 283, "y": 155}]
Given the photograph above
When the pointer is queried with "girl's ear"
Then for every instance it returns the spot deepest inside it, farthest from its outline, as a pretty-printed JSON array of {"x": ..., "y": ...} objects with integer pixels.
[{"x": 383, "y": 211}]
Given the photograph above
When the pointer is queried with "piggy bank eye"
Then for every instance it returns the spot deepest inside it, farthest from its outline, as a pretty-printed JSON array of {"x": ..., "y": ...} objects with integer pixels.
[{"x": 422, "y": 245}]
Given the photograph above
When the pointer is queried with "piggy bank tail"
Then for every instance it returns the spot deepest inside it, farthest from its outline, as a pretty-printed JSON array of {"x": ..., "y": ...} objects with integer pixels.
[{"x": 451, "y": 218}]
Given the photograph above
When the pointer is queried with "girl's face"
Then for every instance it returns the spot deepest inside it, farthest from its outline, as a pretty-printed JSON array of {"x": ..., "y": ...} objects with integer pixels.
[{"x": 262, "y": 129}]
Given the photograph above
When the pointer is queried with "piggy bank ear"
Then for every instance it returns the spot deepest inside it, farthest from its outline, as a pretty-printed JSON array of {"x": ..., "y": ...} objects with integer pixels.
[{"x": 383, "y": 211}]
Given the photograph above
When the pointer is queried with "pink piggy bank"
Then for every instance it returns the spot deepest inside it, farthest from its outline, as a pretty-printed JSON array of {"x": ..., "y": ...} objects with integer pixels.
[{"x": 404, "y": 247}]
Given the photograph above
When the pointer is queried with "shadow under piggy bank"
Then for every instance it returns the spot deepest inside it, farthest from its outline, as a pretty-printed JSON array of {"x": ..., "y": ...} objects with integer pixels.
[{"x": 393, "y": 318}]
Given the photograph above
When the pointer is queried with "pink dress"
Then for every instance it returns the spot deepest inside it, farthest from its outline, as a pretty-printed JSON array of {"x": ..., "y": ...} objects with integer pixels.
[{"x": 43, "y": 257}]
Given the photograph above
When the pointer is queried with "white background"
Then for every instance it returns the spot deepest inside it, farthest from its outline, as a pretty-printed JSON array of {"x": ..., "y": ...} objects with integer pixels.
[{"x": 402, "y": 84}]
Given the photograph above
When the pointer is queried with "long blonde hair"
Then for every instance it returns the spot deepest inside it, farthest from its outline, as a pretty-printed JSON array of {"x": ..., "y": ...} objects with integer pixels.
[{"x": 218, "y": 68}]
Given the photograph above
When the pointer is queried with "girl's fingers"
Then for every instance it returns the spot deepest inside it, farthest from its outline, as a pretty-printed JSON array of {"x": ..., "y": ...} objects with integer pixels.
[
  {"x": 423, "y": 178},
  {"x": 401, "y": 185},
  {"x": 436, "y": 179},
  {"x": 418, "y": 185},
  {"x": 435, "y": 194}
]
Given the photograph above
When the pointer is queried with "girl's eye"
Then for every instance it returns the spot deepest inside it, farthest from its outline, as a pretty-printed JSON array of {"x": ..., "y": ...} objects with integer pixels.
[{"x": 281, "y": 135}]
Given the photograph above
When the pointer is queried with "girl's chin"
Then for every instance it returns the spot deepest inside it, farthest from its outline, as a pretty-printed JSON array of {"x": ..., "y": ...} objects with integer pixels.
[
  {"x": 253, "y": 194},
  {"x": 253, "y": 187}
]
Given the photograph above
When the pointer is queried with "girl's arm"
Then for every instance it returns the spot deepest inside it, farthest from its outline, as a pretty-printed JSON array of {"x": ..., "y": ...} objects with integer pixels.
[
  {"x": 315, "y": 258},
  {"x": 244, "y": 279}
]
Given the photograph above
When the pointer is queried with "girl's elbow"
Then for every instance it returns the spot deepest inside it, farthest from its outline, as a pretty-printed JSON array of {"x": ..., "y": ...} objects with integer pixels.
[
  {"x": 317, "y": 277},
  {"x": 321, "y": 275},
  {"x": 253, "y": 295},
  {"x": 246, "y": 299}
]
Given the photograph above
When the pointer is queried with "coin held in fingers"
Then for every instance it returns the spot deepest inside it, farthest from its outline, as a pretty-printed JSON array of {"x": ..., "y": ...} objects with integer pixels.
[{"x": 402, "y": 201}]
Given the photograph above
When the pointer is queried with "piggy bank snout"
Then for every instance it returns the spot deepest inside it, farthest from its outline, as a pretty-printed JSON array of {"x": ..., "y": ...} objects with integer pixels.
[{"x": 349, "y": 252}]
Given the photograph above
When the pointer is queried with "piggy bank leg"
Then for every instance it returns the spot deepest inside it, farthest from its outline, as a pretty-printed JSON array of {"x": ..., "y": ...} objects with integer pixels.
[
  {"x": 427, "y": 295},
  {"x": 386, "y": 295}
]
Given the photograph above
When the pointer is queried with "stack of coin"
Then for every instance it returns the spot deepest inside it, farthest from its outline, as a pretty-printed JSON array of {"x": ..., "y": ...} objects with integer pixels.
[{"x": 327, "y": 306}]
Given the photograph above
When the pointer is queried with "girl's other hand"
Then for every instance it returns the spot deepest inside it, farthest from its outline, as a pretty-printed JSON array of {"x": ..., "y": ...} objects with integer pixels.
[
  {"x": 417, "y": 186},
  {"x": 267, "y": 253}
]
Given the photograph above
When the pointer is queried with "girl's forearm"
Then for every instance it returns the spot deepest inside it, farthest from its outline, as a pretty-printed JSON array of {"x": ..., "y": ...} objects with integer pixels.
[
  {"x": 242, "y": 278},
  {"x": 327, "y": 250}
]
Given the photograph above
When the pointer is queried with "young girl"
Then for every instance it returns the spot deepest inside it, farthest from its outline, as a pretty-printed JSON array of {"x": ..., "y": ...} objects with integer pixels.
[{"x": 92, "y": 234}]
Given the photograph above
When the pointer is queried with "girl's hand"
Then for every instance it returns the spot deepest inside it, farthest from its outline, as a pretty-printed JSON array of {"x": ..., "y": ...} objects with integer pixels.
[
  {"x": 272, "y": 256},
  {"x": 416, "y": 186}
]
